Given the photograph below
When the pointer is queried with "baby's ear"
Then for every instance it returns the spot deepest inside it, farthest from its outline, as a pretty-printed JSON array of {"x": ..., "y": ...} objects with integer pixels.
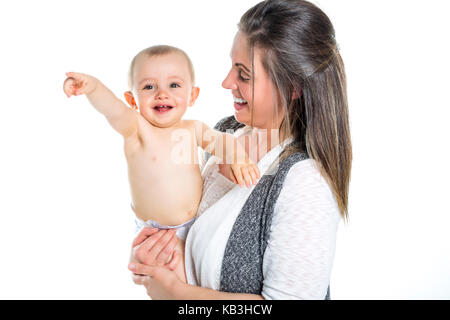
[
  {"x": 194, "y": 95},
  {"x": 130, "y": 99}
]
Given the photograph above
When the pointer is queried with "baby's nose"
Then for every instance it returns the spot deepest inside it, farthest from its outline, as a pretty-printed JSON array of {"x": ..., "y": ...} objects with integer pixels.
[{"x": 162, "y": 94}]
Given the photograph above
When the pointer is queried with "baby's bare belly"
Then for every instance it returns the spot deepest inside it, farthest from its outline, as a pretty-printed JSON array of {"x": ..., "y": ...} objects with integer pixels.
[{"x": 166, "y": 193}]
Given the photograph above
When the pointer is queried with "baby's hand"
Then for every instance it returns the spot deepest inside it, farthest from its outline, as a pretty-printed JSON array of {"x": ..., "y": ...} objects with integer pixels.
[
  {"x": 248, "y": 173},
  {"x": 79, "y": 83}
]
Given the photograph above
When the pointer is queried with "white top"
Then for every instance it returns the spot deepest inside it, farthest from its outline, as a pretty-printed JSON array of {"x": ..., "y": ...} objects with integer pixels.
[{"x": 299, "y": 255}]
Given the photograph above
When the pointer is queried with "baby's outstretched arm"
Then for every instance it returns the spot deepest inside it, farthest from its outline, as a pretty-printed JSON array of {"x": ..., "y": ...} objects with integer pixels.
[
  {"x": 122, "y": 119},
  {"x": 226, "y": 147}
]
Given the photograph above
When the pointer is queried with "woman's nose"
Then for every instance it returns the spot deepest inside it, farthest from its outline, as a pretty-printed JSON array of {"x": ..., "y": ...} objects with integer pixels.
[{"x": 228, "y": 82}]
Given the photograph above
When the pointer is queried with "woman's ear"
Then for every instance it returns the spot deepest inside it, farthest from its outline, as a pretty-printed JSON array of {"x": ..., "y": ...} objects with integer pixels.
[
  {"x": 194, "y": 95},
  {"x": 130, "y": 99}
]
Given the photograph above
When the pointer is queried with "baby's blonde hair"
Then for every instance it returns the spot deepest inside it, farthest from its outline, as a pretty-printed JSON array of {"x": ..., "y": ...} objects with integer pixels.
[{"x": 159, "y": 50}]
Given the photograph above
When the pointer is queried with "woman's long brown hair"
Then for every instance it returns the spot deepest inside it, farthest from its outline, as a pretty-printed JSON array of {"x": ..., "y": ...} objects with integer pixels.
[{"x": 303, "y": 61}]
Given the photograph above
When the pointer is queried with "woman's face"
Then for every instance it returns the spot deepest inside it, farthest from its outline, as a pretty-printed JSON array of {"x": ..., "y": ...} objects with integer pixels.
[{"x": 239, "y": 81}]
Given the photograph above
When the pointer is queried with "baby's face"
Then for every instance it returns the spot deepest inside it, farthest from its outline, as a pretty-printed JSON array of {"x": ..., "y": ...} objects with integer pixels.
[{"x": 162, "y": 88}]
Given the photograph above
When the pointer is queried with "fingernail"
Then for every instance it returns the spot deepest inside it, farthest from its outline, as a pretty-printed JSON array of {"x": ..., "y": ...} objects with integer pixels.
[{"x": 132, "y": 266}]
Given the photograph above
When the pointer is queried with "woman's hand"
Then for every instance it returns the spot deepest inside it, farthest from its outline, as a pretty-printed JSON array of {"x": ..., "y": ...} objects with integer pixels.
[
  {"x": 153, "y": 247},
  {"x": 161, "y": 283}
]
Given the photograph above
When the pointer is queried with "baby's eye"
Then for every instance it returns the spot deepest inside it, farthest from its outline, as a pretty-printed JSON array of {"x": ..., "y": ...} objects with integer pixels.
[
  {"x": 174, "y": 85},
  {"x": 148, "y": 87}
]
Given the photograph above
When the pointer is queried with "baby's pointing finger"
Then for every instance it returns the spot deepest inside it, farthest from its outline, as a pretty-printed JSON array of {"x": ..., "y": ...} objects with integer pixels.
[
  {"x": 67, "y": 92},
  {"x": 74, "y": 75},
  {"x": 67, "y": 86},
  {"x": 78, "y": 78}
]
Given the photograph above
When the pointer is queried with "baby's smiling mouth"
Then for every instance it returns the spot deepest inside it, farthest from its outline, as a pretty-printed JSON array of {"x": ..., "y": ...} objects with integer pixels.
[{"x": 162, "y": 108}]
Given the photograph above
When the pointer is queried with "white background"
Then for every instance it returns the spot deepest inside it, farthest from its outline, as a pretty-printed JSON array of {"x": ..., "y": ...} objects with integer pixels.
[{"x": 65, "y": 223}]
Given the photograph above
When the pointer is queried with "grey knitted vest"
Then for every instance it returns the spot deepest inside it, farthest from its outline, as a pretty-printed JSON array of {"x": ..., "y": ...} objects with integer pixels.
[{"x": 243, "y": 258}]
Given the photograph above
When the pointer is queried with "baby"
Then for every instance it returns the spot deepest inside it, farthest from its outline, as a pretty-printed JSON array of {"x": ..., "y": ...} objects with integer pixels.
[{"x": 165, "y": 179}]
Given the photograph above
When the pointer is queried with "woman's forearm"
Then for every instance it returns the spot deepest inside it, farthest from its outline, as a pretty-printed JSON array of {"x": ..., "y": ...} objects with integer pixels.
[
  {"x": 185, "y": 291},
  {"x": 162, "y": 283}
]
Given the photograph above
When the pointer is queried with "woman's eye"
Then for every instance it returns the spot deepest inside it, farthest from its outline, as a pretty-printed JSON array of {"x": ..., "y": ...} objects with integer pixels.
[
  {"x": 148, "y": 87},
  {"x": 174, "y": 85},
  {"x": 243, "y": 77}
]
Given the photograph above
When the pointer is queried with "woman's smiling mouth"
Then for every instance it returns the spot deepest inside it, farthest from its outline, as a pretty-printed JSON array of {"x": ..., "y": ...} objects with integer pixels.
[{"x": 239, "y": 103}]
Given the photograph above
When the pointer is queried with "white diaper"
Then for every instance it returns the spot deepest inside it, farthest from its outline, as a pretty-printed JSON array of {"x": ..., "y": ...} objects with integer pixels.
[{"x": 182, "y": 229}]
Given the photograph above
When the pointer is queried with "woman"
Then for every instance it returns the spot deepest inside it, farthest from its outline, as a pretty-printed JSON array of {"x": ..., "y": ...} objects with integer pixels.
[{"x": 275, "y": 240}]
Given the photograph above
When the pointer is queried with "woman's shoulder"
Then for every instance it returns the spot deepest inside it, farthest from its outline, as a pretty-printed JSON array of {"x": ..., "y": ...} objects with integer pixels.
[
  {"x": 305, "y": 190},
  {"x": 305, "y": 172}
]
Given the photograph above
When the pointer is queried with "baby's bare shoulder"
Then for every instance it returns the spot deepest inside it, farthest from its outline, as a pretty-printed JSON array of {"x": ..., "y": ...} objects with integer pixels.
[
  {"x": 145, "y": 132},
  {"x": 188, "y": 124}
]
